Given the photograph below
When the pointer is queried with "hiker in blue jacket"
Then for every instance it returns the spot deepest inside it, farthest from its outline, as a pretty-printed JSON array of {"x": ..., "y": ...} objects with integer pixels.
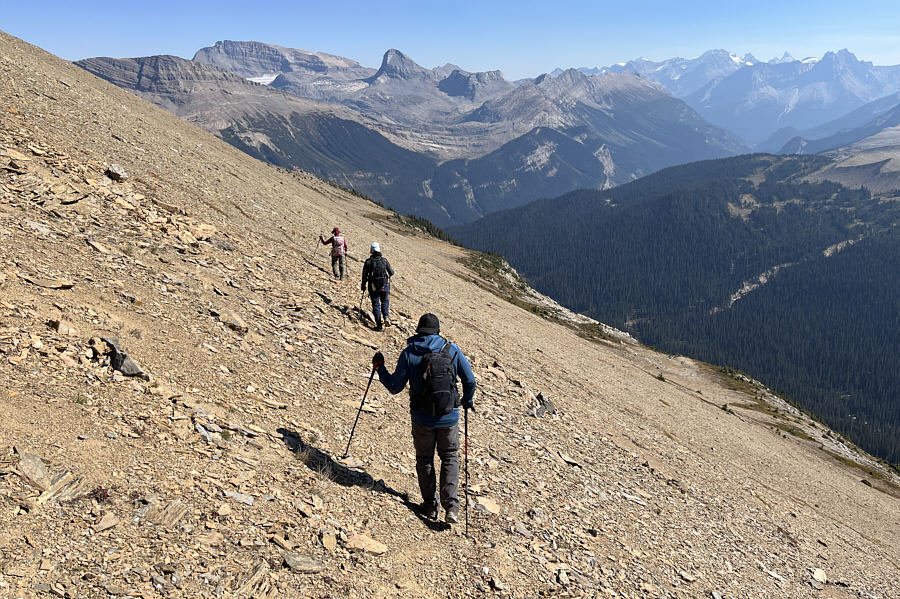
[{"x": 430, "y": 428}]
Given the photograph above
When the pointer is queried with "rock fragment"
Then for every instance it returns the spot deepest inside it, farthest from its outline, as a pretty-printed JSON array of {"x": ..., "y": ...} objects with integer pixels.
[
  {"x": 116, "y": 172},
  {"x": 122, "y": 362},
  {"x": 231, "y": 320},
  {"x": 109, "y": 520},
  {"x": 303, "y": 564},
  {"x": 543, "y": 405},
  {"x": 34, "y": 470},
  {"x": 63, "y": 328},
  {"x": 241, "y": 497},
  {"x": 363, "y": 544},
  {"x": 48, "y": 283},
  {"x": 487, "y": 505}
]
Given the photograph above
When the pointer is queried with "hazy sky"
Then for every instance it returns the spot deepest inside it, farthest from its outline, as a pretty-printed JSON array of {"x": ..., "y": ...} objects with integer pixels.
[{"x": 522, "y": 38}]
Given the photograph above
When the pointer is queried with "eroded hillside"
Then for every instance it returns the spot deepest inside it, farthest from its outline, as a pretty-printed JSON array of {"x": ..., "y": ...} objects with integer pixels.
[{"x": 218, "y": 472}]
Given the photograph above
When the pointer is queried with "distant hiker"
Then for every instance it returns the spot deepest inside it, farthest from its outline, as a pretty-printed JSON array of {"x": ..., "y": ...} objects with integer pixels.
[
  {"x": 432, "y": 364},
  {"x": 376, "y": 274},
  {"x": 338, "y": 251}
]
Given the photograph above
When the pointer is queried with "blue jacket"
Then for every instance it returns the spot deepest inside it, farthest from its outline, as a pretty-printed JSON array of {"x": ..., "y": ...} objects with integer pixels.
[{"x": 409, "y": 368}]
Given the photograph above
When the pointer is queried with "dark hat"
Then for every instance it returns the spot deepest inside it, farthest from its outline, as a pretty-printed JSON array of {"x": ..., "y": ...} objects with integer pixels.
[
  {"x": 428, "y": 325},
  {"x": 336, "y": 231}
]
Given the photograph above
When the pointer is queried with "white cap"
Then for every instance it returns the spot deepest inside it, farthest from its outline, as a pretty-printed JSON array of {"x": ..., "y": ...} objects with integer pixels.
[{"x": 376, "y": 247}]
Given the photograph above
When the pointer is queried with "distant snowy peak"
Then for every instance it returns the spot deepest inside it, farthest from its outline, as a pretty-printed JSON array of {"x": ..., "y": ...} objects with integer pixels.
[
  {"x": 786, "y": 57},
  {"x": 683, "y": 76}
]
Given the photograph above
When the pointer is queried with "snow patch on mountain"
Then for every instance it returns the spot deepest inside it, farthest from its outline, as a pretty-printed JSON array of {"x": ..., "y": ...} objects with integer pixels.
[{"x": 264, "y": 79}]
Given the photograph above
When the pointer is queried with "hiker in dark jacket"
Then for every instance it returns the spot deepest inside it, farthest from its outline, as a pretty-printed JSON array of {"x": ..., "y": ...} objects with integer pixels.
[
  {"x": 429, "y": 430},
  {"x": 338, "y": 251},
  {"x": 376, "y": 275}
]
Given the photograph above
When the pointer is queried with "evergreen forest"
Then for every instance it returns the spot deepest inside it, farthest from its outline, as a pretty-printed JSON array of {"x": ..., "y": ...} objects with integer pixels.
[{"x": 741, "y": 262}]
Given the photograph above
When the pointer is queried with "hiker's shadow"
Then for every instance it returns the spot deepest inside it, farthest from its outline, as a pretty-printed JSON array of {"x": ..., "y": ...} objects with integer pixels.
[
  {"x": 321, "y": 462},
  {"x": 314, "y": 265},
  {"x": 352, "y": 313}
]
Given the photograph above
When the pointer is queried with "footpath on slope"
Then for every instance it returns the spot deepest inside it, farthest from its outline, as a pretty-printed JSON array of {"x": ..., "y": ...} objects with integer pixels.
[{"x": 218, "y": 473}]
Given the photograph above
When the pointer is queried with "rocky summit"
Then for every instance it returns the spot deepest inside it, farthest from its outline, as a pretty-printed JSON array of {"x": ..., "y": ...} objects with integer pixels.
[{"x": 179, "y": 374}]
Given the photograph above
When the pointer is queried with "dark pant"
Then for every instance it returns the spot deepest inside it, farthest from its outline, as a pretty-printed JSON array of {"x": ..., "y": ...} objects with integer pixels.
[
  {"x": 446, "y": 440},
  {"x": 381, "y": 304},
  {"x": 337, "y": 266}
]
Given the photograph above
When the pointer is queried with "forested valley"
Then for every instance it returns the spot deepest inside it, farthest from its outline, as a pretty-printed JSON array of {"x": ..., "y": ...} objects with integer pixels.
[{"x": 737, "y": 262}]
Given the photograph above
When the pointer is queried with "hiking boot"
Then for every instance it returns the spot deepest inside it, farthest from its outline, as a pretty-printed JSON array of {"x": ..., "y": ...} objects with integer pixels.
[
  {"x": 452, "y": 516},
  {"x": 429, "y": 511},
  {"x": 378, "y": 327}
]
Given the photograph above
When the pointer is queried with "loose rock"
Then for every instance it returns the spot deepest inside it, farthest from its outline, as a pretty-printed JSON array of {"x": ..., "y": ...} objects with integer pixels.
[{"x": 303, "y": 564}]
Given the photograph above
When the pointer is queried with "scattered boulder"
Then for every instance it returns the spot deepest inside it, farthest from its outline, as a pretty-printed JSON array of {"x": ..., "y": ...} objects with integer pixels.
[
  {"x": 487, "y": 505},
  {"x": 63, "y": 328},
  {"x": 116, "y": 173},
  {"x": 303, "y": 564},
  {"x": 202, "y": 232},
  {"x": 221, "y": 243},
  {"x": 231, "y": 320},
  {"x": 34, "y": 470},
  {"x": 38, "y": 227},
  {"x": 329, "y": 541},
  {"x": 122, "y": 362},
  {"x": 114, "y": 589},
  {"x": 213, "y": 539},
  {"x": 543, "y": 405},
  {"x": 363, "y": 544}
]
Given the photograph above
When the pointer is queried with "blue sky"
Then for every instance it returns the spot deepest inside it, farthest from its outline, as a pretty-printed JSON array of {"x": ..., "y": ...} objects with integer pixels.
[{"x": 522, "y": 38}]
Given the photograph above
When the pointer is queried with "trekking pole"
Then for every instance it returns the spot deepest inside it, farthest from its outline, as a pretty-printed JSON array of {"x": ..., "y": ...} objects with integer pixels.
[
  {"x": 466, "y": 445},
  {"x": 371, "y": 376},
  {"x": 318, "y": 243},
  {"x": 361, "y": 299}
]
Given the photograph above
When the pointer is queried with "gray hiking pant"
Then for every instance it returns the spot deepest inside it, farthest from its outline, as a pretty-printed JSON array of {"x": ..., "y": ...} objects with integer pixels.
[
  {"x": 337, "y": 266},
  {"x": 446, "y": 440}
]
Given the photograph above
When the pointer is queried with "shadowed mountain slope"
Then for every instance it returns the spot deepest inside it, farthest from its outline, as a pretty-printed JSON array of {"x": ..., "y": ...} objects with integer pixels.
[{"x": 853, "y": 120}]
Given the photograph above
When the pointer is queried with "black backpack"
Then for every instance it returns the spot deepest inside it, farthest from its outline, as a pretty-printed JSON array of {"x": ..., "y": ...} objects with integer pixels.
[
  {"x": 438, "y": 394},
  {"x": 379, "y": 277}
]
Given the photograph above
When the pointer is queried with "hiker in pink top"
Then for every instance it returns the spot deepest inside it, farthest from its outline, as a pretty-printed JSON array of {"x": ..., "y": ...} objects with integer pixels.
[{"x": 338, "y": 251}]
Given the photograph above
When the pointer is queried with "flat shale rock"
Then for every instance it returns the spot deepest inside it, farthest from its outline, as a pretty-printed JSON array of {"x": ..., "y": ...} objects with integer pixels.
[
  {"x": 34, "y": 470},
  {"x": 363, "y": 544},
  {"x": 231, "y": 320},
  {"x": 303, "y": 564},
  {"x": 487, "y": 505},
  {"x": 108, "y": 521}
]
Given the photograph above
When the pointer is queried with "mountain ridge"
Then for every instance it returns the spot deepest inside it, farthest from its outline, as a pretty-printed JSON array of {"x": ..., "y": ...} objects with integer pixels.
[
  {"x": 754, "y": 99},
  {"x": 615, "y": 128}
]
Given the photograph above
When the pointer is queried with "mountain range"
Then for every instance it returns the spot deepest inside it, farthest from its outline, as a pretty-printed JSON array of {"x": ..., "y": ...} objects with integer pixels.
[
  {"x": 441, "y": 143},
  {"x": 757, "y": 99}
]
